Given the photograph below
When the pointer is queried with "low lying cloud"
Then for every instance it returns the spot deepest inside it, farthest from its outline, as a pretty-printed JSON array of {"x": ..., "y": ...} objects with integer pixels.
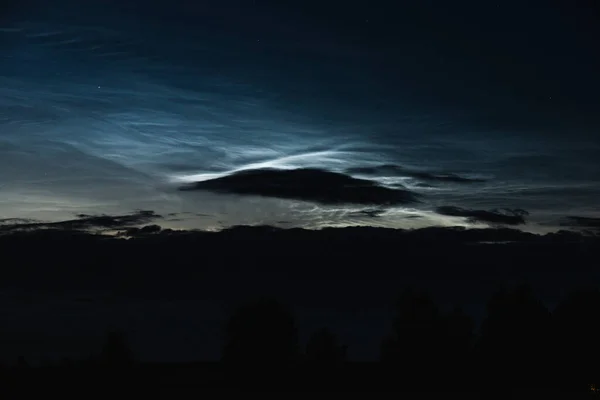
[
  {"x": 504, "y": 216},
  {"x": 588, "y": 223},
  {"x": 143, "y": 231},
  {"x": 307, "y": 184},
  {"x": 83, "y": 222},
  {"x": 369, "y": 212},
  {"x": 397, "y": 170}
]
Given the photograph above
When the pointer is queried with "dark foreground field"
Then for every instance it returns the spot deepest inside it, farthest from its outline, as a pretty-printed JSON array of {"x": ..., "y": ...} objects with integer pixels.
[
  {"x": 194, "y": 380},
  {"x": 296, "y": 305}
]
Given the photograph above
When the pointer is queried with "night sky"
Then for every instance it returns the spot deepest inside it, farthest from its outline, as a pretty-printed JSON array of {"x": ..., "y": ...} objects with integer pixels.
[
  {"x": 216, "y": 113},
  {"x": 112, "y": 107}
]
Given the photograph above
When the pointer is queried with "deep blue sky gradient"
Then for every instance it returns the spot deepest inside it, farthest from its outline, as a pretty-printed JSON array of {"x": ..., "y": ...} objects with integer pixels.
[{"x": 107, "y": 107}]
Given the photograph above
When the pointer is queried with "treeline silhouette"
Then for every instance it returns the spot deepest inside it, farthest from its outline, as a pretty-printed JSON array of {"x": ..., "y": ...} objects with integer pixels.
[{"x": 520, "y": 345}]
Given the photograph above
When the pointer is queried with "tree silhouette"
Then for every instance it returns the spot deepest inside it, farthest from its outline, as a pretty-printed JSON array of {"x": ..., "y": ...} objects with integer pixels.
[
  {"x": 323, "y": 349},
  {"x": 456, "y": 342},
  {"x": 515, "y": 338},
  {"x": 116, "y": 352},
  {"x": 577, "y": 333},
  {"x": 459, "y": 332},
  {"x": 67, "y": 362},
  {"x": 262, "y": 332},
  {"x": 417, "y": 340},
  {"x": 22, "y": 363},
  {"x": 389, "y": 351}
]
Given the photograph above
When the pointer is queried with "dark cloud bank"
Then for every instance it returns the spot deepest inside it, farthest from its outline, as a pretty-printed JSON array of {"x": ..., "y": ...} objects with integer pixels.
[
  {"x": 587, "y": 223},
  {"x": 505, "y": 216},
  {"x": 307, "y": 184},
  {"x": 397, "y": 170},
  {"x": 83, "y": 222},
  {"x": 332, "y": 188}
]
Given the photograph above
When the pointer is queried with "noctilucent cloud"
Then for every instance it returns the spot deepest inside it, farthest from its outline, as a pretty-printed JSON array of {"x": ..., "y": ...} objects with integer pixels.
[{"x": 114, "y": 109}]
